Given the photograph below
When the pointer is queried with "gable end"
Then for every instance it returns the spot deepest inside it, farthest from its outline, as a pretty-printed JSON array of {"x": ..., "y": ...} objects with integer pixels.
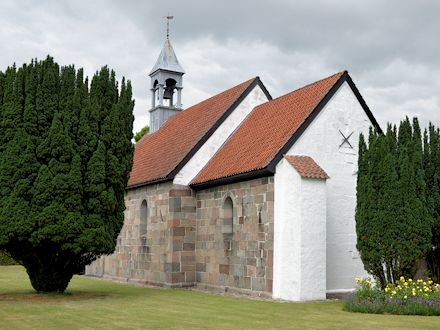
[
  {"x": 344, "y": 78},
  {"x": 257, "y": 82}
]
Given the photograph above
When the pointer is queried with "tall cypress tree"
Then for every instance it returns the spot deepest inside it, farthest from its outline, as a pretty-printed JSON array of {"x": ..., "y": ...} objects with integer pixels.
[
  {"x": 392, "y": 219},
  {"x": 431, "y": 160},
  {"x": 367, "y": 224},
  {"x": 417, "y": 221},
  {"x": 65, "y": 156}
]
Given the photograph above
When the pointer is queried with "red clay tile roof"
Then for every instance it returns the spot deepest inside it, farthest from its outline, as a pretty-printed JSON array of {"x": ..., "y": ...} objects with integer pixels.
[
  {"x": 265, "y": 131},
  {"x": 306, "y": 167},
  {"x": 156, "y": 155}
]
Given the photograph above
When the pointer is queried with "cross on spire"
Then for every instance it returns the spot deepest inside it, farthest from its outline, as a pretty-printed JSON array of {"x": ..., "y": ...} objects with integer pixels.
[{"x": 168, "y": 18}]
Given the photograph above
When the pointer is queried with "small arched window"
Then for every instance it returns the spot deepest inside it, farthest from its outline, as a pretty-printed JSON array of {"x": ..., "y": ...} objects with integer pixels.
[
  {"x": 228, "y": 216},
  {"x": 143, "y": 223},
  {"x": 155, "y": 93}
]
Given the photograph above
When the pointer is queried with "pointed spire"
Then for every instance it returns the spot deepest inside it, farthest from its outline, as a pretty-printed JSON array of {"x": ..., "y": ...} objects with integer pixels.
[{"x": 167, "y": 60}]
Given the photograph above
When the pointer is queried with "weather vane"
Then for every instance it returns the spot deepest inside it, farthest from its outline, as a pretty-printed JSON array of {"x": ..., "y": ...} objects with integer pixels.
[{"x": 168, "y": 17}]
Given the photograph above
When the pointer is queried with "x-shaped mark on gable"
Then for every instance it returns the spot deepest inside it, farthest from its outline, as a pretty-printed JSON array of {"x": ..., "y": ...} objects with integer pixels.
[{"x": 345, "y": 139}]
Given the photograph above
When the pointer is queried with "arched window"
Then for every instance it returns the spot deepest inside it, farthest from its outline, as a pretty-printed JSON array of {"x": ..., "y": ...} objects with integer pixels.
[
  {"x": 228, "y": 216},
  {"x": 155, "y": 93},
  {"x": 143, "y": 223}
]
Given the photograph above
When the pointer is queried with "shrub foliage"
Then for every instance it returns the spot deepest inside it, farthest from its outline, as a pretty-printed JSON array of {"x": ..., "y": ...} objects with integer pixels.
[
  {"x": 65, "y": 157},
  {"x": 141, "y": 133}
]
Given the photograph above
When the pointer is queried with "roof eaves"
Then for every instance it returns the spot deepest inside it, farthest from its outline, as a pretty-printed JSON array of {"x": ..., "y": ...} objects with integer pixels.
[
  {"x": 146, "y": 183},
  {"x": 254, "y": 174}
]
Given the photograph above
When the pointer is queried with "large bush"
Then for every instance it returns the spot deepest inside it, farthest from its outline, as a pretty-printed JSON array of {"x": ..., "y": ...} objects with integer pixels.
[{"x": 65, "y": 157}]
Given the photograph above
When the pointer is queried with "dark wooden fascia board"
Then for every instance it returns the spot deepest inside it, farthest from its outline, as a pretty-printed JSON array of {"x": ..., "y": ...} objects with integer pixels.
[
  {"x": 363, "y": 103},
  {"x": 232, "y": 179},
  {"x": 146, "y": 183}
]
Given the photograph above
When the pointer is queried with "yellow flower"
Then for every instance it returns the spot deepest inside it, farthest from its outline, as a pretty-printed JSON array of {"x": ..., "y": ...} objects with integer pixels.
[{"x": 405, "y": 297}]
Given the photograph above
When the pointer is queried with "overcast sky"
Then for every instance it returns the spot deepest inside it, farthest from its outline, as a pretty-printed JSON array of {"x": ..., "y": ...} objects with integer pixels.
[{"x": 390, "y": 48}]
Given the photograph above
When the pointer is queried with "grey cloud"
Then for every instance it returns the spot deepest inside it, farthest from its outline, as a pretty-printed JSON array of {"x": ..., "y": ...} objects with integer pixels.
[
  {"x": 363, "y": 32},
  {"x": 389, "y": 47}
]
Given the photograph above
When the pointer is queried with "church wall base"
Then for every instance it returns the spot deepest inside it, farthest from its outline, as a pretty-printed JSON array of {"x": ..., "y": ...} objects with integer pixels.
[
  {"x": 232, "y": 290},
  {"x": 339, "y": 294}
]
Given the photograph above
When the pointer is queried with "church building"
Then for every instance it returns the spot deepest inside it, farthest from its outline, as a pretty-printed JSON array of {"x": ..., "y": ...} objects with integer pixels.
[{"x": 244, "y": 193}]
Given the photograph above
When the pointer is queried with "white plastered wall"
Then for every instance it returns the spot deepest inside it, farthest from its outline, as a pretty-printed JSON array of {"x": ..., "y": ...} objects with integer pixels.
[
  {"x": 300, "y": 236},
  {"x": 218, "y": 138},
  {"x": 322, "y": 141}
]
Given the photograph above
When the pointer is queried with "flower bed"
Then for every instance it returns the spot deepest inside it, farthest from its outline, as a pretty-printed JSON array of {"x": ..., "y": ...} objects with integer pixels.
[{"x": 404, "y": 297}]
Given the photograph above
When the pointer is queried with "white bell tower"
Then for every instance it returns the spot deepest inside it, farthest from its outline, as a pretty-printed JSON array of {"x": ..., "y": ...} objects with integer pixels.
[{"x": 166, "y": 85}]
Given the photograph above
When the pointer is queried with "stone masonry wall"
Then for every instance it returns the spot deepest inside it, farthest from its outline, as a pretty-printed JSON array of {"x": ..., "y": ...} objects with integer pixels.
[
  {"x": 241, "y": 261},
  {"x": 156, "y": 244},
  {"x": 173, "y": 236}
]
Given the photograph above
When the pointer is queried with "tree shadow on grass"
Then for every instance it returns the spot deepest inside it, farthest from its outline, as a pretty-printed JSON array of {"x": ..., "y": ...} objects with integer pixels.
[{"x": 32, "y": 296}]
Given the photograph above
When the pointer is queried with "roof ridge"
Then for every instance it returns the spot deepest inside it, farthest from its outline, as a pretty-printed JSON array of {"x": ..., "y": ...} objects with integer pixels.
[
  {"x": 226, "y": 90},
  {"x": 341, "y": 73}
]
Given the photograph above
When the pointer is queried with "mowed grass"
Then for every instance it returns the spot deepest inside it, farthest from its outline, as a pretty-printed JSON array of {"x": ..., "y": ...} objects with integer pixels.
[{"x": 95, "y": 304}]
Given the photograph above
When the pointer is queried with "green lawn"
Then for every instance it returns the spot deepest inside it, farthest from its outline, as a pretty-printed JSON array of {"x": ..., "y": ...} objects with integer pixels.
[{"x": 95, "y": 304}]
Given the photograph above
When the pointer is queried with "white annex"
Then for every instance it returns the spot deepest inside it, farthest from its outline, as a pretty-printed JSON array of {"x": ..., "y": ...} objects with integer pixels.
[{"x": 323, "y": 226}]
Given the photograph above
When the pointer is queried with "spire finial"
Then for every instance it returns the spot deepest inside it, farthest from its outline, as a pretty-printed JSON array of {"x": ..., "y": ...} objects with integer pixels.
[{"x": 168, "y": 17}]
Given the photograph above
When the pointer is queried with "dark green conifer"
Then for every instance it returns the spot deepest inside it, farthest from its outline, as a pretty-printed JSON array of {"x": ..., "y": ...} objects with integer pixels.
[
  {"x": 392, "y": 219},
  {"x": 432, "y": 179},
  {"x": 65, "y": 156}
]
